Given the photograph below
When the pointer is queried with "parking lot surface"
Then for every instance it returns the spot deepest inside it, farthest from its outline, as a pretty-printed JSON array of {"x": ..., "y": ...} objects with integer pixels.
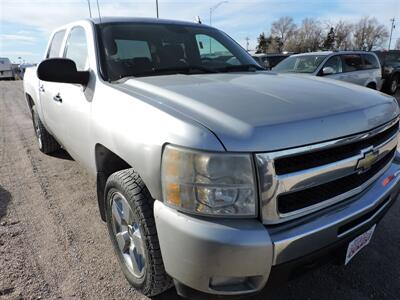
[{"x": 54, "y": 245}]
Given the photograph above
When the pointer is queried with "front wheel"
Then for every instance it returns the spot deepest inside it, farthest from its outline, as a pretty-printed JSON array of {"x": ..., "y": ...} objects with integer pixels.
[
  {"x": 394, "y": 83},
  {"x": 132, "y": 229}
]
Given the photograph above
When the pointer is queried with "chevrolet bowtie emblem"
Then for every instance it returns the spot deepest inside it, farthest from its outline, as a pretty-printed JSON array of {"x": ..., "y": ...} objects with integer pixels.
[{"x": 370, "y": 157}]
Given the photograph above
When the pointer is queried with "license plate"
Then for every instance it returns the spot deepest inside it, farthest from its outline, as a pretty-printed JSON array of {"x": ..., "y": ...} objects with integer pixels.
[{"x": 358, "y": 243}]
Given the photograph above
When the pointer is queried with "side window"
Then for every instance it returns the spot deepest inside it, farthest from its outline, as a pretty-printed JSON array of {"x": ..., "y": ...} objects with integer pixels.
[
  {"x": 55, "y": 45},
  {"x": 210, "y": 47},
  {"x": 335, "y": 63},
  {"x": 352, "y": 62},
  {"x": 76, "y": 48},
  {"x": 370, "y": 62}
]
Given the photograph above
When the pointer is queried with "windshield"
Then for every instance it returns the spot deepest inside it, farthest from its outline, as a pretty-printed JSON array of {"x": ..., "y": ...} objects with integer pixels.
[
  {"x": 299, "y": 64},
  {"x": 135, "y": 49}
]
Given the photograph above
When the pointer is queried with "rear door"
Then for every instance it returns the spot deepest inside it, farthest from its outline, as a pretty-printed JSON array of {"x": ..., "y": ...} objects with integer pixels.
[
  {"x": 48, "y": 91},
  {"x": 373, "y": 69},
  {"x": 353, "y": 70}
]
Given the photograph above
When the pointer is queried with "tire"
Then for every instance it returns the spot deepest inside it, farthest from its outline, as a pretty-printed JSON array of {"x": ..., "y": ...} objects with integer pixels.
[
  {"x": 394, "y": 84},
  {"x": 371, "y": 85},
  {"x": 47, "y": 144},
  {"x": 132, "y": 230}
]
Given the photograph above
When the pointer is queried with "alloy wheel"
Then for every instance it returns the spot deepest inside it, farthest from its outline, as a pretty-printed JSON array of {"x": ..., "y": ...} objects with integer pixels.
[{"x": 128, "y": 236}]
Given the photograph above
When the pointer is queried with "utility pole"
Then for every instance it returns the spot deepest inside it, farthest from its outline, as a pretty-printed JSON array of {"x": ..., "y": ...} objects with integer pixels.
[
  {"x": 391, "y": 31},
  {"x": 247, "y": 43},
  {"x": 157, "y": 8},
  {"x": 90, "y": 10}
]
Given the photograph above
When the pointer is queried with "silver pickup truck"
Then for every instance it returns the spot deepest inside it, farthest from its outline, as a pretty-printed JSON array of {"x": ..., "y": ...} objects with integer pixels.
[{"x": 213, "y": 174}]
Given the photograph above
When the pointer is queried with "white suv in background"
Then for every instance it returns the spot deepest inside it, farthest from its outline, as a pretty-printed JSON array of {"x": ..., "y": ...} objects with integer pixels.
[
  {"x": 359, "y": 67},
  {"x": 6, "y": 70}
]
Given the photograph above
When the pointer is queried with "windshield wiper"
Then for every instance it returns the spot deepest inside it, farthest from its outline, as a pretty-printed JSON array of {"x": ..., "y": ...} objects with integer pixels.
[
  {"x": 170, "y": 70},
  {"x": 239, "y": 68},
  {"x": 184, "y": 69}
]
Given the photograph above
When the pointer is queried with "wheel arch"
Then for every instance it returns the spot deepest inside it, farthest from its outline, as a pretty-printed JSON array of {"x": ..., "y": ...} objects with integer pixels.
[
  {"x": 372, "y": 85},
  {"x": 107, "y": 163},
  {"x": 29, "y": 101}
]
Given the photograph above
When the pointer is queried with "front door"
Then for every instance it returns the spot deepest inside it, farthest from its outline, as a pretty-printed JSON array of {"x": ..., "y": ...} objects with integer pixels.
[{"x": 75, "y": 99}]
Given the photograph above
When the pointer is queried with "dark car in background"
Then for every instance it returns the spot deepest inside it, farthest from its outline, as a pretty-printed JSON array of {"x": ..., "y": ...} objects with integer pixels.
[
  {"x": 269, "y": 60},
  {"x": 390, "y": 61}
]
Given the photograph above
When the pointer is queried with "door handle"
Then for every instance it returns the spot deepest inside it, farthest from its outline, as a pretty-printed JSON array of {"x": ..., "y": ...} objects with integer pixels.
[
  {"x": 41, "y": 89},
  {"x": 57, "y": 98}
]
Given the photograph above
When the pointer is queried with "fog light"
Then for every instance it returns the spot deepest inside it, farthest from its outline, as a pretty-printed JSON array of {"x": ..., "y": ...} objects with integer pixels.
[
  {"x": 235, "y": 284},
  {"x": 226, "y": 281}
]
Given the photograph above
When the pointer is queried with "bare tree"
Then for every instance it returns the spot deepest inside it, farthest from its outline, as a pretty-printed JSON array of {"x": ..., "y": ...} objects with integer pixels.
[
  {"x": 308, "y": 37},
  {"x": 343, "y": 33},
  {"x": 368, "y": 34},
  {"x": 284, "y": 29}
]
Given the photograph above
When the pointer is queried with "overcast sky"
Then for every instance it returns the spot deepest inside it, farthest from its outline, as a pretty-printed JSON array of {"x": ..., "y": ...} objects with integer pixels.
[{"x": 25, "y": 25}]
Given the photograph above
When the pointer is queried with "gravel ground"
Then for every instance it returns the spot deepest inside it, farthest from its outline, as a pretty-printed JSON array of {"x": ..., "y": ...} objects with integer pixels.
[{"x": 53, "y": 244}]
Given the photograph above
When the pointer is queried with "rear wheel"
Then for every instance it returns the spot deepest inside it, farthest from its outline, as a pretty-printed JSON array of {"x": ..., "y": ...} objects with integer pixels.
[
  {"x": 47, "y": 144},
  {"x": 131, "y": 226}
]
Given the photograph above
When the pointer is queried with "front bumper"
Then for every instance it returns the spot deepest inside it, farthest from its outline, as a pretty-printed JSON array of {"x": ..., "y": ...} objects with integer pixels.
[{"x": 236, "y": 257}]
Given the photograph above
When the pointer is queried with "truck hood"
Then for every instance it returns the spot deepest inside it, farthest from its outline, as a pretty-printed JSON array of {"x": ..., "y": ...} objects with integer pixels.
[{"x": 265, "y": 111}]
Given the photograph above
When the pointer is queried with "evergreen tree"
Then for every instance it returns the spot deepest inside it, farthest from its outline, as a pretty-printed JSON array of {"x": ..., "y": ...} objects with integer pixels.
[
  {"x": 330, "y": 40},
  {"x": 262, "y": 43}
]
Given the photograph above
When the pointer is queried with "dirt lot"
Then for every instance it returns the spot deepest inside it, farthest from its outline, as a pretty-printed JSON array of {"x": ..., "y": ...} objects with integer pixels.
[{"x": 54, "y": 245}]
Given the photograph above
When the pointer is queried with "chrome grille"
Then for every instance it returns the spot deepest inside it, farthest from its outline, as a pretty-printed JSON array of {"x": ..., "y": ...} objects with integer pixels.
[{"x": 317, "y": 181}]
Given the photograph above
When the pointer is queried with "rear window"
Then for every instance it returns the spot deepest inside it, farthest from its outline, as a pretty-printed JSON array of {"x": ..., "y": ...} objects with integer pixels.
[
  {"x": 274, "y": 60},
  {"x": 352, "y": 62},
  {"x": 393, "y": 56},
  {"x": 370, "y": 62},
  {"x": 55, "y": 46}
]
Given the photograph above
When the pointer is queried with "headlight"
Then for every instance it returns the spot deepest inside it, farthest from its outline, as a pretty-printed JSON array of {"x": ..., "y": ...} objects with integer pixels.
[{"x": 208, "y": 183}]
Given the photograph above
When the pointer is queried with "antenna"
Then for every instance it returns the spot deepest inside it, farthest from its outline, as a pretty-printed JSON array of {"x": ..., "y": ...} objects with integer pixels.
[
  {"x": 90, "y": 10},
  {"x": 98, "y": 9},
  {"x": 157, "y": 9}
]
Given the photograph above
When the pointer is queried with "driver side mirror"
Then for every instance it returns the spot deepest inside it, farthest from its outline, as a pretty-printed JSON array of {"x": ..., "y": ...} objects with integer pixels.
[
  {"x": 328, "y": 71},
  {"x": 61, "y": 70}
]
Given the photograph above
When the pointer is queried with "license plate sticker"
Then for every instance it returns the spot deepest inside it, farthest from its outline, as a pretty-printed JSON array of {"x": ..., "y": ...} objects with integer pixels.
[{"x": 359, "y": 243}]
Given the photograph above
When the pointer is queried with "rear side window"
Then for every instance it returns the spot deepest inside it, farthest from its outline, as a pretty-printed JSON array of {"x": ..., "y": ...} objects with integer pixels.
[
  {"x": 352, "y": 62},
  {"x": 76, "y": 48},
  {"x": 370, "y": 62},
  {"x": 55, "y": 46}
]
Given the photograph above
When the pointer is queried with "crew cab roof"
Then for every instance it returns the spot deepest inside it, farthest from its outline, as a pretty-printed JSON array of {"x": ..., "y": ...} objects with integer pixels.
[{"x": 105, "y": 20}]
